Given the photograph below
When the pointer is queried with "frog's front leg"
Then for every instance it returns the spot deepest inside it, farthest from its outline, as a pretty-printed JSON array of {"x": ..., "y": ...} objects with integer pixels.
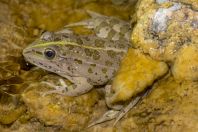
[{"x": 81, "y": 86}]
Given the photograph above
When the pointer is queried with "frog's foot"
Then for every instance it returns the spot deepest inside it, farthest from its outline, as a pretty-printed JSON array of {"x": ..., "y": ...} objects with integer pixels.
[
  {"x": 88, "y": 23},
  {"x": 108, "y": 94},
  {"x": 80, "y": 86},
  {"x": 109, "y": 115},
  {"x": 118, "y": 114},
  {"x": 126, "y": 109},
  {"x": 58, "y": 89}
]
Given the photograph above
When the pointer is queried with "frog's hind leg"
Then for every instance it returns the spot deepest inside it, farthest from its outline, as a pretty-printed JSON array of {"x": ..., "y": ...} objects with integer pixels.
[
  {"x": 65, "y": 31},
  {"x": 88, "y": 23},
  {"x": 118, "y": 114},
  {"x": 94, "y": 14},
  {"x": 115, "y": 114},
  {"x": 126, "y": 109}
]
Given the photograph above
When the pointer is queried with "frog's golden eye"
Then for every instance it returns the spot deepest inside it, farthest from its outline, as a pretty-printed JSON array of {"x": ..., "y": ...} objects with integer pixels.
[{"x": 49, "y": 53}]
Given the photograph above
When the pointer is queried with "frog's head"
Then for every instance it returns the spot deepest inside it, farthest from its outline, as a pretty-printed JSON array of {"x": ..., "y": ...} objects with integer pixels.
[{"x": 45, "y": 53}]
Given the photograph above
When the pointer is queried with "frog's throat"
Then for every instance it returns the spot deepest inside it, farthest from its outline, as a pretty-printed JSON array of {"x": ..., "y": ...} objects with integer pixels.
[{"x": 39, "y": 45}]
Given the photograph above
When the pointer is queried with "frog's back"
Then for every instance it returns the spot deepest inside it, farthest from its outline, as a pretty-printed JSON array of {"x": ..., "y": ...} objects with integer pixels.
[{"x": 92, "y": 57}]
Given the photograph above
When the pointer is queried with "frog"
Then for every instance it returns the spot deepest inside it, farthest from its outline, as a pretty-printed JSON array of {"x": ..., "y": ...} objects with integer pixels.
[{"x": 86, "y": 60}]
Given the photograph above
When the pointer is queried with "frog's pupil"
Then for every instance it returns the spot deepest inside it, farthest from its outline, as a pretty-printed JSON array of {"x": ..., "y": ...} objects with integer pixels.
[{"x": 49, "y": 53}]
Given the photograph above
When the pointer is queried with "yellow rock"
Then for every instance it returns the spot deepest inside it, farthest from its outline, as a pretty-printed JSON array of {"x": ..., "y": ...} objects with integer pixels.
[
  {"x": 137, "y": 72},
  {"x": 186, "y": 64}
]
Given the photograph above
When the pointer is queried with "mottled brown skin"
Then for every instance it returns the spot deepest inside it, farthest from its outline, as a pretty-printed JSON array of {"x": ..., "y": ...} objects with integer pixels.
[{"x": 85, "y": 60}]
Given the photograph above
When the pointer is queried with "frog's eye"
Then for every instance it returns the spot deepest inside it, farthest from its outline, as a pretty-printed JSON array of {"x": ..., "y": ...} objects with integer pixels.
[{"x": 49, "y": 53}]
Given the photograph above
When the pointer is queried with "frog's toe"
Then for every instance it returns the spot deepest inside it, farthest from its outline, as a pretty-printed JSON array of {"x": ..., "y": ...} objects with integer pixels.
[
  {"x": 116, "y": 114},
  {"x": 86, "y": 23},
  {"x": 60, "y": 91},
  {"x": 132, "y": 104},
  {"x": 109, "y": 115},
  {"x": 57, "y": 89},
  {"x": 126, "y": 109},
  {"x": 65, "y": 31},
  {"x": 49, "y": 84}
]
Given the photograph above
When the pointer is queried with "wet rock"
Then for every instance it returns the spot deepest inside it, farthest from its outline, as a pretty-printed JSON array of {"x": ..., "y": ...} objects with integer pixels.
[
  {"x": 70, "y": 113},
  {"x": 164, "y": 27},
  {"x": 10, "y": 108}
]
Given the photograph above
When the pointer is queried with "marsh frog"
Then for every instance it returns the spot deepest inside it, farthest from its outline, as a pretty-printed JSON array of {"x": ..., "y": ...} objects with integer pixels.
[{"x": 85, "y": 60}]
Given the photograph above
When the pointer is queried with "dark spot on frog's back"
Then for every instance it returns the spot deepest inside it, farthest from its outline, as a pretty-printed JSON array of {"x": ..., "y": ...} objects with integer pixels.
[
  {"x": 122, "y": 46},
  {"x": 79, "y": 41},
  {"x": 93, "y": 65},
  {"x": 64, "y": 53},
  {"x": 99, "y": 43},
  {"x": 111, "y": 53},
  {"x": 108, "y": 63},
  {"x": 90, "y": 70},
  {"x": 78, "y": 61},
  {"x": 96, "y": 55},
  {"x": 104, "y": 70},
  {"x": 111, "y": 34},
  {"x": 70, "y": 47},
  {"x": 57, "y": 38},
  {"x": 88, "y": 52}
]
